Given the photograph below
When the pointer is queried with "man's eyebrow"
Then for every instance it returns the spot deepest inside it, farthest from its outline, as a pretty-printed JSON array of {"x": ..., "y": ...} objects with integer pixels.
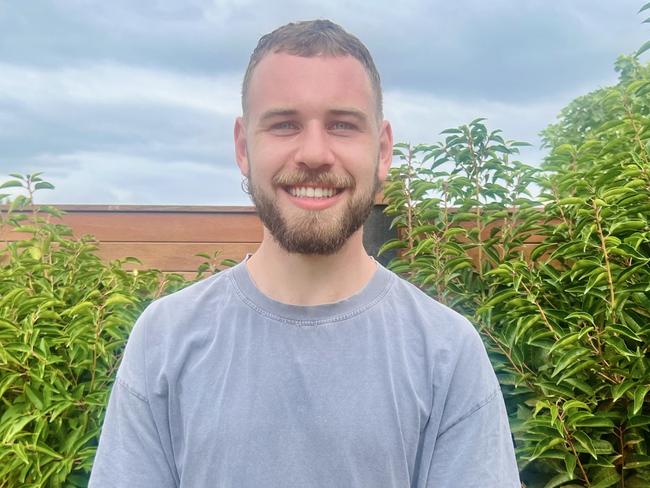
[
  {"x": 280, "y": 112},
  {"x": 350, "y": 112},
  {"x": 338, "y": 112}
]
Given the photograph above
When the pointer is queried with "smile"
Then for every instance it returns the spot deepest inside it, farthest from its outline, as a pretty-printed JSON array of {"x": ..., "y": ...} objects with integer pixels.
[{"x": 312, "y": 192}]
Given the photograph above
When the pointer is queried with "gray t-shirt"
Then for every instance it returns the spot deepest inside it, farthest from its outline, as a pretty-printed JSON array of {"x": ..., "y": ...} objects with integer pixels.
[{"x": 221, "y": 386}]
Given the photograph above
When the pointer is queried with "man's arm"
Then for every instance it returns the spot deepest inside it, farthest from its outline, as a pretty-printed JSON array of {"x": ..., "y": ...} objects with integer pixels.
[
  {"x": 130, "y": 452},
  {"x": 477, "y": 451},
  {"x": 471, "y": 440}
]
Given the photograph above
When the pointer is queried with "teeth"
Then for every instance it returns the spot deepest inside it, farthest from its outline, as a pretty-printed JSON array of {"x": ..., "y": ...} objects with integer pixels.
[{"x": 311, "y": 192}]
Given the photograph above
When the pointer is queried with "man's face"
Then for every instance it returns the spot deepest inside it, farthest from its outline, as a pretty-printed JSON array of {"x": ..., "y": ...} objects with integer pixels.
[{"x": 312, "y": 148}]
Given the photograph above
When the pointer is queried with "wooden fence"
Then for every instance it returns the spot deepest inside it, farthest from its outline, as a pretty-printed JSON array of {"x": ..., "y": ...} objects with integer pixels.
[{"x": 170, "y": 237}]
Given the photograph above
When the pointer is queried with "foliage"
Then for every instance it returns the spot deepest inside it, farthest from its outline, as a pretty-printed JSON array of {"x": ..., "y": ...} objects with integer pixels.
[
  {"x": 64, "y": 319},
  {"x": 557, "y": 286},
  {"x": 584, "y": 116}
]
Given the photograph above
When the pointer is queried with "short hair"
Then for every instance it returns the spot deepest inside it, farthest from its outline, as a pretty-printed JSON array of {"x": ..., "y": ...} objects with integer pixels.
[{"x": 314, "y": 38}]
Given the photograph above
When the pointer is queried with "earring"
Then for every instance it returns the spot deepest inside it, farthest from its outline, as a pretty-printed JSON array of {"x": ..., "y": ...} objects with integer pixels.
[{"x": 245, "y": 185}]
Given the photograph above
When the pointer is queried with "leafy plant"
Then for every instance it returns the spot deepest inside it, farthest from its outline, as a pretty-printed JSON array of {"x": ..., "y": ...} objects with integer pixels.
[
  {"x": 64, "y": 319},
  {"x": 558, "y": 286}
]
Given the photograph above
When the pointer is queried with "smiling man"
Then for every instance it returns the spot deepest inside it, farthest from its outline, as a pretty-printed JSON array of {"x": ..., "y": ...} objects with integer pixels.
[{"x": 308, "y": 364}]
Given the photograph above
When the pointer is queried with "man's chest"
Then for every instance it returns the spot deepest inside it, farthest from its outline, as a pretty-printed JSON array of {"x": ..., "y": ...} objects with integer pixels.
[{"x": 298, "y": 410}]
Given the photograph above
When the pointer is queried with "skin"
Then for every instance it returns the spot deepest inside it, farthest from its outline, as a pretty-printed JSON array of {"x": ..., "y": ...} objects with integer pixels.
[{"x": 314, "y": 115}]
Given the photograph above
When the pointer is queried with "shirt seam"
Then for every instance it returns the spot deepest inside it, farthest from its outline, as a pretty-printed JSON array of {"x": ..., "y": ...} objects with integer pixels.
[
  {"x": 170, "y": 463},
  {"x": 144, "y": 359},
  {"x": 471, "y": 412},
  {"x": 131, "y": 390},
  {"x": 316, "y": 322}
]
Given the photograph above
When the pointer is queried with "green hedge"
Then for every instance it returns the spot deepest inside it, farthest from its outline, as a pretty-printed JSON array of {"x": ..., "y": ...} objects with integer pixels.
[
  {"x": 567, "y": 320},
  {"x": 64, "y": 319}
]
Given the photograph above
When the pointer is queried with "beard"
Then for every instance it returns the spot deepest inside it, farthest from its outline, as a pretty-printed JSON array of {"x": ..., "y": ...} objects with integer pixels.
[{"x": 317, "y": 232}]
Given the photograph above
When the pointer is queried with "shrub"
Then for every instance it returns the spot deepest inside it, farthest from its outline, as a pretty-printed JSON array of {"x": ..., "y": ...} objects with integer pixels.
[
  {"x": 557, "y": 286},
  {"x": 64, "y": 319}
]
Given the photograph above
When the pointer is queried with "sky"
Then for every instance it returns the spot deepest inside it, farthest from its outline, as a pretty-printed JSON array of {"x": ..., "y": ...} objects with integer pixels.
[{"x": 133, "y": 102}]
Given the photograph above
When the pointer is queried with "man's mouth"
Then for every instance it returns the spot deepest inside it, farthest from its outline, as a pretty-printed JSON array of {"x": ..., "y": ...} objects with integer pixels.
[{"x": 313, "y": 191}]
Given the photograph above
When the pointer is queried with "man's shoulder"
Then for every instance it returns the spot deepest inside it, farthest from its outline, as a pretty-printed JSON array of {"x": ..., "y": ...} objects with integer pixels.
[
  {"x": 417, "y": 307},
  {"x": 193, "y": 302}
]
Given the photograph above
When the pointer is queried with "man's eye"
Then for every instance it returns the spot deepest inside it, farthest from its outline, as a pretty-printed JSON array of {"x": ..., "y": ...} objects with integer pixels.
[
  {"x": 284, "y": 126},
  {"x": 342, "y": 126}
]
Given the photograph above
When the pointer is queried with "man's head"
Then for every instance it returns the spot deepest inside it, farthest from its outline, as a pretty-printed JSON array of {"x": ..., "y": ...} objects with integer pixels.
[
  {"x": 309, "y": 39},
  {"x": 312, "y": 142}
]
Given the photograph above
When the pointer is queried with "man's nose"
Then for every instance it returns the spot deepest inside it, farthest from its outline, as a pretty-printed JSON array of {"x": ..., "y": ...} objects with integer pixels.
[{"x": 314, "y": 147}]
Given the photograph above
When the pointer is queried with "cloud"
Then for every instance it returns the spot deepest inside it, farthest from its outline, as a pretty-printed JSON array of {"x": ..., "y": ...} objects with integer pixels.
[
  {"x": 121, "y": 97},
  {"x": 418, "y": 118},
  {"x": 506, "y": 50},
  {"x": 113, "y": 108},
  {"x": 114, "y": 178},
  {"x": 109, "y": 83}
]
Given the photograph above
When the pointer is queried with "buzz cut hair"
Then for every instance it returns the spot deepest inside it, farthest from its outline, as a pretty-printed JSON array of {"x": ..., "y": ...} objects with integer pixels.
[{"x": 313, "y": 38}]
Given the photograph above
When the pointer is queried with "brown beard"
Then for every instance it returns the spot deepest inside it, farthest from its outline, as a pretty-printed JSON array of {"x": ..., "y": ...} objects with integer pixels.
[{"x": 311, "y": 234}]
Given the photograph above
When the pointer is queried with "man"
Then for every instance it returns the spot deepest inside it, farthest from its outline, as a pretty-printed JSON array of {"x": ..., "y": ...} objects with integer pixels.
[{"x": 308, "y": 364}]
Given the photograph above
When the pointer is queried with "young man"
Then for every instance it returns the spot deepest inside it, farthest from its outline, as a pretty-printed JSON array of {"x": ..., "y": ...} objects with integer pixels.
[{"x": 308, "y": 364}]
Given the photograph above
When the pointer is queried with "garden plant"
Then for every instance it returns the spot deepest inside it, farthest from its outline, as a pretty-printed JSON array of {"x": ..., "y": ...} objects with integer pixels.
[
  {"x": 558, "y": 285},
  {"x": 65, "y": 316}
]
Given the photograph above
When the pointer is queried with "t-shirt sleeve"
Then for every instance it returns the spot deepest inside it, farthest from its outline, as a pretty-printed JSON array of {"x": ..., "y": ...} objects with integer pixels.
[
  {"x": 130, "y": 452},
  {"x": 472, "y": 443},
  {"x": 477, "y": 451}
]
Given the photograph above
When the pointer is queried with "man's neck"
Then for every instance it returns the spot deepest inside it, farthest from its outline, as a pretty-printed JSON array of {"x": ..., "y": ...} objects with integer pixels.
[{"x": 301, "y": 279}]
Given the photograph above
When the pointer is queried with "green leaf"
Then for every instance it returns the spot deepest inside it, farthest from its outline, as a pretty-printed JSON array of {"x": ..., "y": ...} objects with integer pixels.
[
  {"x": 568, "y": 358},
  {"x": 580, "y": 385},
  {"x": 624, "y": 331},
  {"x": 559, "y": 480},
  {"x": 44, "y": 185},
  {"x": 118, "y": 299},
  {"x": 16, "y": 426},
  {"x": 79, "y": 308},
  {"x": 627, "y": 225},
  {"x": 619, "y": 389},
  {"x": 575, "y": 404},
  {"x": 639, "y": 397},
  {"x": 636, "y": 461},
  {"x": 571, "y": 201},
  {"x": 33, "y": 397},
  {"x": 524, "y": 325},
  {"x": 581, "y": 316},
  {"x": 595, "y": 421},
  {"x": 46, "y": 450},
  {"x": 565, "y": 341},
  {"x": 500, "y": 297},
  {"x": 604, "y": 477},
  {"x": 392, "y": 244},
  {"x": 638, "y": 421},
  {"x": 11, "y": 184},
  {"x": 570, "y": 464},
  {"x": 545, "y": 446},
  {"x": 586, "y": 442}
]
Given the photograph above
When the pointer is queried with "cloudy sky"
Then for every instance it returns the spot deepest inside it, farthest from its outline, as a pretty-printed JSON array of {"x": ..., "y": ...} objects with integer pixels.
[{"x": 133, "y": 101}]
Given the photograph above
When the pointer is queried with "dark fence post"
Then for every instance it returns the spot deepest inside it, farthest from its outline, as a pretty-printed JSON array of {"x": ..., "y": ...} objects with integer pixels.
[{"x": 376, "y": 232}]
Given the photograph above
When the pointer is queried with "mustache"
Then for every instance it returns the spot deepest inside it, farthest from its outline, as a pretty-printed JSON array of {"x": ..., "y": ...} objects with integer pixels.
[{"x": 313, "y": 178}]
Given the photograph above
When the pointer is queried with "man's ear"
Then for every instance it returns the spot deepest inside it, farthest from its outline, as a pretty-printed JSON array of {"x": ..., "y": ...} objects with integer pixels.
[
  {"x": 241, "y": 154},
  {"x": 385, "y": 150}
]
